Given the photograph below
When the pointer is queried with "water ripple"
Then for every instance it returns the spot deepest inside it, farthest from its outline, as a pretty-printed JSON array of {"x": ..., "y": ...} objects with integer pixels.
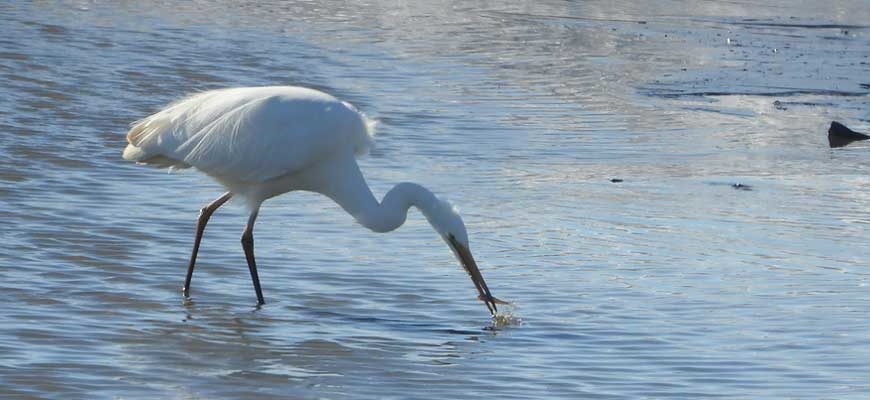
[{"x": 593, "y": 148}]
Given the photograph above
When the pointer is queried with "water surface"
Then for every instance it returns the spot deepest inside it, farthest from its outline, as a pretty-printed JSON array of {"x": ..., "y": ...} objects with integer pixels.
[{"x": 669, "y": 284}]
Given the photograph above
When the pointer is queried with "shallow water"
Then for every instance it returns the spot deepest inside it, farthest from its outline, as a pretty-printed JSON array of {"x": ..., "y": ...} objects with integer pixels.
[{"x": 670, "y": 284}]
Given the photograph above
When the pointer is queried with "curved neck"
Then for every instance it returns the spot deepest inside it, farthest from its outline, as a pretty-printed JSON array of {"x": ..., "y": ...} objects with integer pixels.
[
  {"x": 346, "y": 186},
  {"x": 391, "y": 212}
]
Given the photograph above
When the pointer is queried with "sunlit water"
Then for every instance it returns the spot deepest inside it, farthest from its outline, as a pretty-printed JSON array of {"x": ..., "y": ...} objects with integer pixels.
[{"x": 670, "y": 284}]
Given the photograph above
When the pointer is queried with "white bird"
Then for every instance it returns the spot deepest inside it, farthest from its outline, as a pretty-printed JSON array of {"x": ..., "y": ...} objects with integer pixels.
[{"x": 260, "y": 142}]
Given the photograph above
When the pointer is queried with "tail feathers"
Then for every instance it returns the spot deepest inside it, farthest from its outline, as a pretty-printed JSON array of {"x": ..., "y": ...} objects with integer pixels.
[
  {"x": 133, "y": 153},
  {"x": 146, "y": 128},
  {"x": 144, "y": 142}
]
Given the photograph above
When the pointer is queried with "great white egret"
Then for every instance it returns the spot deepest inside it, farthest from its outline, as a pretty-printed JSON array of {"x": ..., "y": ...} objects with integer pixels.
[{"x": 260, "y": 142}]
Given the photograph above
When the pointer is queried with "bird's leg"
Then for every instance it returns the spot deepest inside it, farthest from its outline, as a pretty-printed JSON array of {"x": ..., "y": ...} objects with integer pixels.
[
  {"x": 248, "y": 245},
  {"x": 204, "y": 215}
]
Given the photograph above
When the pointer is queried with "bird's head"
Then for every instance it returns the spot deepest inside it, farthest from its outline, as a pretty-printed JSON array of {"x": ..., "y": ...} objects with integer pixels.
[{"x": 445, "y": 218}]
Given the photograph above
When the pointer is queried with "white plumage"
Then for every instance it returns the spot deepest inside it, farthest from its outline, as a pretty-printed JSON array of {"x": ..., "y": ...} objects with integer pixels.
[
  {"x": 246, "y": 136},
  {"x": 260, "y": 142}
]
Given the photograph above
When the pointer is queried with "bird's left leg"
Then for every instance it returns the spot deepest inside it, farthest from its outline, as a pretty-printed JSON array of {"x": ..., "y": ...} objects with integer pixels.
[
  {"x": 204, "y": 214},
  {"x": 248, "y": 246}
]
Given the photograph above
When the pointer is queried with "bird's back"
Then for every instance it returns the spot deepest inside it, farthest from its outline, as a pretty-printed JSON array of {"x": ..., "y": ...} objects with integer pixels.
[{"x": 249, "y": 135}]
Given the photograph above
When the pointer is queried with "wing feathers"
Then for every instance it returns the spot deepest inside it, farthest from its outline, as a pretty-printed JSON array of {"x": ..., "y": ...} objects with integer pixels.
[{"x": 248, "y": 134}]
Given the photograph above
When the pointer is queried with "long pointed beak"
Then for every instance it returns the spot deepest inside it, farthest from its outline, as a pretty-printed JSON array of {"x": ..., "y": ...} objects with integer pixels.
[{"x": 470, "y": 266}]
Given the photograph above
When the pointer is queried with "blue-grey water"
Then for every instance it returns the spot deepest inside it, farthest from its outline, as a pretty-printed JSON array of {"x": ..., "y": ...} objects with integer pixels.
[{"x": 670, "y": 284}]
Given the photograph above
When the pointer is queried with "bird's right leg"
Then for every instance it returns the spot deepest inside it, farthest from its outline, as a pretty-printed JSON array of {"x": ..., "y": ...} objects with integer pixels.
[
  {"x": 248, "y": 246},
  {"x": 204, "y": 214}
]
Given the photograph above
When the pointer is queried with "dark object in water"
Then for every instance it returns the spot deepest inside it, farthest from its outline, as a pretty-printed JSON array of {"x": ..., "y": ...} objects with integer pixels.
[
  {"x": 616, "y": 180},
  {"x": 735, "y": 185},
  {"x": 839, "y": 135}
]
